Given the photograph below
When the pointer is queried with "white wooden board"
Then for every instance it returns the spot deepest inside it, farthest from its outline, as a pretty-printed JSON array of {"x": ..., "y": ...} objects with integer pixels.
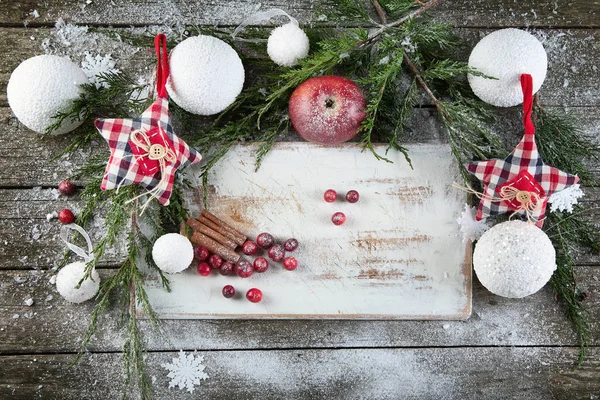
[{"x": 398, "y": 256}]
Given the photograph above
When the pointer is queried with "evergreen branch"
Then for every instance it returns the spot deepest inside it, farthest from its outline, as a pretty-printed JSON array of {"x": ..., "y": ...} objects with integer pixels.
[{"x": 380, "y": 11}]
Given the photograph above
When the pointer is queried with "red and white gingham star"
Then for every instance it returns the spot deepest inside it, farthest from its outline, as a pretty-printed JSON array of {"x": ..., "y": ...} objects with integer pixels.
[{"x": 517, "y": 169}]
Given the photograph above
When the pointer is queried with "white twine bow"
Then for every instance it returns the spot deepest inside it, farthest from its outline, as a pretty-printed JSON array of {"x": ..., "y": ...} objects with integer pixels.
[
  {"x": 154, "y": 152},
  {"x": 64, "y": 235},
  {"x": 529, "y": 202},
  {"x": 259, "y": 17}
]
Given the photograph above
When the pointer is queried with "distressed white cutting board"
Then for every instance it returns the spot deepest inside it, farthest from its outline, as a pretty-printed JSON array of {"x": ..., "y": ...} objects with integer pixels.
[{"x": 398, "y": 256}]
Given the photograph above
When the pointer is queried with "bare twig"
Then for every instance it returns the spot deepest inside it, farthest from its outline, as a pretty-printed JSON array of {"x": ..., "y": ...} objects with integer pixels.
[
  {"x": 416, "y": 13},
  {"x": 423, "y": 84},
  {"x": 380, "y": 12}
]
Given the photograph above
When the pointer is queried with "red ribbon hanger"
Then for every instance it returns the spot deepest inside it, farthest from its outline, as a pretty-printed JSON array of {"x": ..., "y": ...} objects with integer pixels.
[
  {"x": 527, "y": 87},
  {"x": 162, "y": 68}
]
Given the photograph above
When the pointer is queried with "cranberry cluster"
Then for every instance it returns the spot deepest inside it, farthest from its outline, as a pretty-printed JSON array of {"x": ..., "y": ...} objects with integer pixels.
[
  {"x": 330, "y": 196},
  {"x": 243, "y": 268}
]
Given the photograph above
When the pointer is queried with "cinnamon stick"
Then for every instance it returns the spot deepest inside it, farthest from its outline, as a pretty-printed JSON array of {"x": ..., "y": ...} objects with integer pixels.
[
  {"x": 215, "y": 247},
  {"x": 200, "y": 227},
  {"x": 234, "y": 234}
]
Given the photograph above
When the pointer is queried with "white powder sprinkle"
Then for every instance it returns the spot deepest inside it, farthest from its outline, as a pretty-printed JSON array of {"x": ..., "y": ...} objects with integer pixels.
[{"x": 28, "y": 302}]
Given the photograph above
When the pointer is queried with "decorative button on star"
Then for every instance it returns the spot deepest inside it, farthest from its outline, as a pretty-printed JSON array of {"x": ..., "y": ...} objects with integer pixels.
[{"x": 524, "y": 169}]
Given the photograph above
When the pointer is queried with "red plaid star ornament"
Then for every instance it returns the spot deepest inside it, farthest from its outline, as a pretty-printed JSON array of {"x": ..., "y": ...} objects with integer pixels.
[
  {"x": 145, "y": 150},
  {"x": 521, "y": 183}
]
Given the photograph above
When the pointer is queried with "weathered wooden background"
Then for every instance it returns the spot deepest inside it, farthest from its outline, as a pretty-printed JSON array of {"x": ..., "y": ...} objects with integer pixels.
[{"x": 508, "y": 349}]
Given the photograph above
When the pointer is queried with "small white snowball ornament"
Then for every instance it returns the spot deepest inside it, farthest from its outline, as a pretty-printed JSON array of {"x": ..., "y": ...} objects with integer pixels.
[
  {"x": 206, "y": 75},
  {"x": 68, "y": 278},
  {"x": 172, "y": 253},
  {"x": 514, "y": 259},
  {"x": 506, "y": 54},
  {"x": 42, "y": 86},
  {"x": 287, "y": 44}
]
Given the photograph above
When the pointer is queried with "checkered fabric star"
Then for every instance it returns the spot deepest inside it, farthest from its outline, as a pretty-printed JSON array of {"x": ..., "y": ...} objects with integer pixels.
[
  {"x": 523, "y": 169},
  {"x": 145, "y": 150},
  {"x": 125, "y": 167}
]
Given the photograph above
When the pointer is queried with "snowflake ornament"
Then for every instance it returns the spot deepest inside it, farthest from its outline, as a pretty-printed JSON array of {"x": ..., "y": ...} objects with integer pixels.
[
  {"x": 186, "y": 371},
  {"x": 94, "y": 66},
  {"x": 565, "y": 199},
  {"x": 470, "y": 228}
]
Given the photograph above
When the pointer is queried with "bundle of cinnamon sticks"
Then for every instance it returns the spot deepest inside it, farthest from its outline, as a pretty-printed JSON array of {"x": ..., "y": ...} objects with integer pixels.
[{"x": 216, "y": 235}]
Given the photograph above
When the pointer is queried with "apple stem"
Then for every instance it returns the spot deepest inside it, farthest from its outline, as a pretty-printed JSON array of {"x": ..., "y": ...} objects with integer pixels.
[
  {"x": 416, "y": 13},
  {"x": 423, "y": 84}
]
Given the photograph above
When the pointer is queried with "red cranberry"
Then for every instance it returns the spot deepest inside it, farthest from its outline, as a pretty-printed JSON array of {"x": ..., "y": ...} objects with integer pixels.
[
  {"x": 330, "y": 195},
  {"x": 254, "y": 295},
  {"x": 201, "y": 253},
  {"x": 204, "y": 269},
  {"x": 290, "y": 245},
  {"x": 228, "y": 291},
  {"x": 261, "y": 264},
  {"x": 215, "y": 261},
  {"x": 265, "y": 240},
  {"x": 338, "y": 218},
  {"x": 66, "y": 216},
  {"x": 244, "y": 269},
  {"x": 249, "y": 248},
  {"x": 352, "y": 196},
  {"x": 276, "y": 252},
  {"x": 226, "y": 268},
  {"x": 290, "y": 263},
  {"x": 66, "y": 187}
]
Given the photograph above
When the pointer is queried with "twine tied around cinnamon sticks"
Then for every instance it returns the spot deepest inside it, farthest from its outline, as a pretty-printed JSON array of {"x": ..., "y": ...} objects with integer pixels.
[
  {"x": 529, "y": 202},
  {"x": 156, "y": 152}
]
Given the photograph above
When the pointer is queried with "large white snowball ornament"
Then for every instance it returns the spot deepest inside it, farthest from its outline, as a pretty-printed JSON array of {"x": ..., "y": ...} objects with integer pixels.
[
  {"x": 68, "y": 278},
  {"x": 514, "y": 259},
  {"x": 287, "y": 44},
  {"x": 42, "y": 86},
  {"x": 506, "y": 54},
  {"x": 206, "y": 75},
  {"x": 172, "y": 253}
]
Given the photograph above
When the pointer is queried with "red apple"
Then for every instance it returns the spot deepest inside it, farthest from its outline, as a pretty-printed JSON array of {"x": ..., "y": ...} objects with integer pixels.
[{"x": 327, "y": 109}]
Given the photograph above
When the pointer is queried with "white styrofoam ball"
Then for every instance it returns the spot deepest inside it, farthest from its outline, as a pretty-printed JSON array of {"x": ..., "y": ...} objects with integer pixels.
[
  {"x": 68, "y": 278},
  {"x": 42, "y": 86},
  {"x": 514, "y": 259},
  {"x": 506, "y": 54},
  {"x": 206, "y": 75},
  {"x": 287, "y": 44},
  {"x": 172, "y": 253}
]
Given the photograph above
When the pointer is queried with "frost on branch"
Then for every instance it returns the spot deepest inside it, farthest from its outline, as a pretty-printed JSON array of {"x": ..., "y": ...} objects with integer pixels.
[{"x": 470, "y": 228}]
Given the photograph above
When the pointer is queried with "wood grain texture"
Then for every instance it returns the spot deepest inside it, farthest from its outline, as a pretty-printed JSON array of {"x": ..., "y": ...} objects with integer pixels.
[
  {"x": 502, "y": 13},
  {"x": 436, "y": 373},
  {"x": 572, "y": 56},
  {"x": 54, "y": 325}
]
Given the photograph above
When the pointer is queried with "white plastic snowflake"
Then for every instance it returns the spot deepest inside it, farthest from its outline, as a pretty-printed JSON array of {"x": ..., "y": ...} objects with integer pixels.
[
  {"x": 470, "y": 228},
  {"x": 94, "y": 66},
  {"x": 565, "y": 199},
  {"x": 186, "y": 371}
]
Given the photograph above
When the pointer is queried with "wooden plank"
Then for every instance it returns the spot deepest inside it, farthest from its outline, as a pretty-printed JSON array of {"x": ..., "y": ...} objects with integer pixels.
[
  {"x": 53, "y": 325},
  {"x": 540, "y": 13},
  {"x": 441, "y": 373},
  {"x": 570, "y": 81},
  {"x": 398, "y": 256},
  {"x": 28, "y": 162}
]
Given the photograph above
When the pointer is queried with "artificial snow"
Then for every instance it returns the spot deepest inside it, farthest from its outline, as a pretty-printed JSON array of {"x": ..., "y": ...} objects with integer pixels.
[
  {"x": 470, "y": 228},
  {"x": 206, "y": 75},
  {"x": 28, "y": 302},
  {"x": 186, "y": 371},
  {"x": 514, "y": 259},
  {"x": 42, "y": 86},
  {"x": 505, "y": 55},
  {"x": 51, "y": 216},
  {"x": 287, "y": 44},
  {"x": 172, "y": 253},
  {"x": 68, "y": 278},
  {"x": 565, "y": 199},
  {"x": 94, "y": 66}
]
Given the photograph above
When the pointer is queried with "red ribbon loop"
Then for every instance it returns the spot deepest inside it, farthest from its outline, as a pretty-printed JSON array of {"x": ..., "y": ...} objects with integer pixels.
[
  {"x": 527, "y": 87},
  {"x": 162, "y": 68}
]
